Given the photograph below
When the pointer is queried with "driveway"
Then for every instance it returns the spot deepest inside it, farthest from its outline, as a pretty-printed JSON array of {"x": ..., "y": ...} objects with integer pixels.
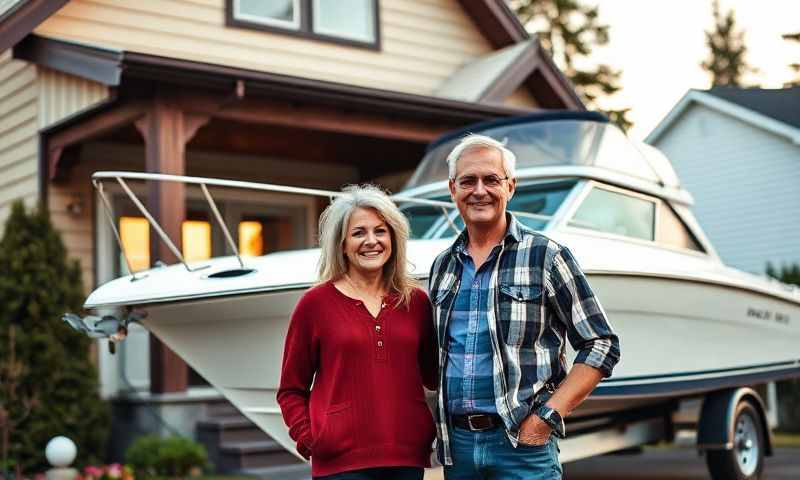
[
  {"x": 672, "y": 464},
  {"x": 664, "y": 464}
]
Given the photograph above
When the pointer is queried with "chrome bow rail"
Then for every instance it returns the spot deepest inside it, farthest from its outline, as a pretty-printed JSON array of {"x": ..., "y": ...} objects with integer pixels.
[{"x": 121, "y": 177}]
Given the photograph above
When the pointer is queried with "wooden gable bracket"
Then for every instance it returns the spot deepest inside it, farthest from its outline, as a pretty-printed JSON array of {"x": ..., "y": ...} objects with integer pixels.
[{"x": 76, "y": 130}]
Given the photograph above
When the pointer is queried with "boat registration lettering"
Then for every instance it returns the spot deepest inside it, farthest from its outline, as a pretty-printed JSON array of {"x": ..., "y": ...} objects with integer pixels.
[{"x": 763, "y": 314}]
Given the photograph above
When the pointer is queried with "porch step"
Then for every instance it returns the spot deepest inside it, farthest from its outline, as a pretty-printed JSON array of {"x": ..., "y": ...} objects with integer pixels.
[
  {"x": 221, "y": 408},
  {"x": 230, "y": 428},
  {"x": 235, "y": 445},
  {"x": 255, "y": 454}
]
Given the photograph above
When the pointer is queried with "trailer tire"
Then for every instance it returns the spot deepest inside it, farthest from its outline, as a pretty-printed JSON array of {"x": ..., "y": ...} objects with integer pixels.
[{"x": 745, "y": 461}]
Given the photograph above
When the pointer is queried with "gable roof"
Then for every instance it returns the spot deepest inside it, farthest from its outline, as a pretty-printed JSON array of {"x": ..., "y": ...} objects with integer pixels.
[
  {"x": 532, "y": 68},
  {"x": 495, "y": 76},
  {"x": 19, "y": 18},
  {"x": 494, "y": 19},
  {"x": 773, "y": 110},
  {"x": 782, "y": 104}
]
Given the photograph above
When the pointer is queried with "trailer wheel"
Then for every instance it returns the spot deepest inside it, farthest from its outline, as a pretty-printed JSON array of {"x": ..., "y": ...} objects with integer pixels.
[{"x": 745, "y": 461}]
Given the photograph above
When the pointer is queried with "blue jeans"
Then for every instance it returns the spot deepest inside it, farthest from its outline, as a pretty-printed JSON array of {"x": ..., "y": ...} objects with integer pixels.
[
  {"x": 490, "y": 456},
  {"x": 381, "y": 473}
]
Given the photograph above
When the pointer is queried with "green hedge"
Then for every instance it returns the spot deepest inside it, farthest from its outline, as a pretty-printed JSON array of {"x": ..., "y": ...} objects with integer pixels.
[{"x": 153, "y": 456}]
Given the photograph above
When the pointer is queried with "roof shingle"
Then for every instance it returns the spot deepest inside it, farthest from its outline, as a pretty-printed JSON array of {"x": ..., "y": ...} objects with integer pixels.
[{"x": 782, "y": 104}]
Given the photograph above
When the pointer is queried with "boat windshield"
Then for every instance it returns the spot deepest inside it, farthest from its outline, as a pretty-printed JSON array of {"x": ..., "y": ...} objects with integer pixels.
[
  {"x": 533, "y": 204},
  {"x": 566, "y": 142}
]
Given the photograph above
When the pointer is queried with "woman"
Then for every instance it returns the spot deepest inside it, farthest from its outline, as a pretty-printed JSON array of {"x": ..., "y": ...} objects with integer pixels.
[{"x": 364, "y": 337}]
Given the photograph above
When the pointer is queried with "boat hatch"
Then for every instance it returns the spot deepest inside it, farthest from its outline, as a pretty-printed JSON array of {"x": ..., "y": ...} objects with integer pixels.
[{"x": 230, "y": 273}]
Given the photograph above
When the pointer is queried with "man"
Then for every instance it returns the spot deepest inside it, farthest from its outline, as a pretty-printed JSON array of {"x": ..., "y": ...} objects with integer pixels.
[{"x": 505, "y": 300}]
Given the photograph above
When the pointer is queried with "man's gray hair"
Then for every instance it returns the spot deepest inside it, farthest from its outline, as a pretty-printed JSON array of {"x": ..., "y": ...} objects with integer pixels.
[{"x": 481, "y": 141}]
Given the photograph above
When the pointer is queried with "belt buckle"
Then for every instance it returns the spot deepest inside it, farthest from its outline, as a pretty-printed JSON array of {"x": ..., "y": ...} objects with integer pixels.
[{"x": 474, "y": 428}]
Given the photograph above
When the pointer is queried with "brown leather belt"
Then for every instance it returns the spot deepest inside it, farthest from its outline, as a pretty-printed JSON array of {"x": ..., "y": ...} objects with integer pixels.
[{"x": 477, "y": 422}]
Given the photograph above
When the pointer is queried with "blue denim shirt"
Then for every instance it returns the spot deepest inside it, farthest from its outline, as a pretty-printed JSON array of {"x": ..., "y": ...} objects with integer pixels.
[
  {"x": 538, "y": 300},
  {"x": 470, "y": 379}
]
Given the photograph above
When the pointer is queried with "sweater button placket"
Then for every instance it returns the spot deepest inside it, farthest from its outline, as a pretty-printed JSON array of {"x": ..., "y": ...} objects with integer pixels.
[{"x": 380, "y": 342}]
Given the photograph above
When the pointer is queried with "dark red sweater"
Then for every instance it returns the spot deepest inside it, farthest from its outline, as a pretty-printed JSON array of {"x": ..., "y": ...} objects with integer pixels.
[{"x": 367, "y": 408}]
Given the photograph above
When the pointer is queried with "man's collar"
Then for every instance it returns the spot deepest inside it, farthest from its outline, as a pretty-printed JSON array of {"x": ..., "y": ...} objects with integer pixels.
[{"x": 513, "y": 234}]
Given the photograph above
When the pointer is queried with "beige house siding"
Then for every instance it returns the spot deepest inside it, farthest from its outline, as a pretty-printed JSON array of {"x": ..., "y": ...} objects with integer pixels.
[
  {"x": 521, "y": 98},
  {"x": 423, "y": 41},
  {"x": 61, "y": 95},
  {"x": 18, "y": 134}
]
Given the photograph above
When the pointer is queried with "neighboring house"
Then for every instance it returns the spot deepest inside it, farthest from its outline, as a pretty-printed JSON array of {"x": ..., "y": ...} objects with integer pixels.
[
  {"x": 737, "y": 150},
  {"x": 297, "y": 92}
]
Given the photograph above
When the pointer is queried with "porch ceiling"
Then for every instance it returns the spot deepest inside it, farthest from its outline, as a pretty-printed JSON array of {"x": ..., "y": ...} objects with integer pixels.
[{"x": 372, "y": 156}]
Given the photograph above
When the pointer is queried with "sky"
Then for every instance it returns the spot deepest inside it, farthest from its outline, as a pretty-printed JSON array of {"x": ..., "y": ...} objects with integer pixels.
[{"x": 659, "y": 45}]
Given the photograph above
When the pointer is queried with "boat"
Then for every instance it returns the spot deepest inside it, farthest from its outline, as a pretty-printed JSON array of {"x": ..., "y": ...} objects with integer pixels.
[{"x": 688, "y": 324}]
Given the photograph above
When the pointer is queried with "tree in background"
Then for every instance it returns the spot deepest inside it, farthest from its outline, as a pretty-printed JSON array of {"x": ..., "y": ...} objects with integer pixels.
[
  {"x": 726, "y": 58},
  {"x": 49, "y": 386},
  {"x": 793, "y": 37},
  {"x": 788, "y": 390},
  {"x": 569, "y": 31}
]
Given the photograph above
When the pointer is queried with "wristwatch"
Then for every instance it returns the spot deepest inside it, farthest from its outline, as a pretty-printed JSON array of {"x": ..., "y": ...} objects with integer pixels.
[{"x": 551, "y": 417}]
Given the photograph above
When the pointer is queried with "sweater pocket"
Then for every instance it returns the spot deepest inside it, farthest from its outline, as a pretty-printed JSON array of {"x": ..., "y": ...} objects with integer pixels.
[
  {"x": 414, "y": 425},
  {"x": 337, "y": 433}
]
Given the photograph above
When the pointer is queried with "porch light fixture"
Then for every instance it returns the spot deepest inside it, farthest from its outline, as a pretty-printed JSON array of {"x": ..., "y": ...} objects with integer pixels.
[{"x": 75, "y": 206}]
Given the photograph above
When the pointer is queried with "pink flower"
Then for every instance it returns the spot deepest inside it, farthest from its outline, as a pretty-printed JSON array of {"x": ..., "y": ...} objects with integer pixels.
[
  {"x": 93, "y": 472},
  {"x": 114, "y": 470}
]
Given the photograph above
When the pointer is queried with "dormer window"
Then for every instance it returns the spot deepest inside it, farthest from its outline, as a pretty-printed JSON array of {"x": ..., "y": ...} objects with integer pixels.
[{"x": 351, "y": 22}]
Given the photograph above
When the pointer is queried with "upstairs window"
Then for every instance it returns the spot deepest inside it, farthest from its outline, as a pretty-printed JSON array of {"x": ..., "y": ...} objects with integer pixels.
[{"x": 352, "y": 22}]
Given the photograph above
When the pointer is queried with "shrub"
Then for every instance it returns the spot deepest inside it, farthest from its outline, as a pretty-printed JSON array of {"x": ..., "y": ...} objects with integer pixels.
[
  {"x": 171, "y": 457},
  {"x": 142, "y": 455},
  {"x": 48, "y": 385}
]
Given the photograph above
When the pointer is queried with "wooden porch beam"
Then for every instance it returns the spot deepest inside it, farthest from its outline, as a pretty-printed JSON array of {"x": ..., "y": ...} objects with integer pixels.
[
  {"x": 320, "y": 118},
  {"x": 166, "y": 129},
  {"x": 315, "y": 117}
]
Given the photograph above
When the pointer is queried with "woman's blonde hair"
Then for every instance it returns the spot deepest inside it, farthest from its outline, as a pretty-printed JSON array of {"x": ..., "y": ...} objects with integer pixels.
[{"x": 333, "y": 230}]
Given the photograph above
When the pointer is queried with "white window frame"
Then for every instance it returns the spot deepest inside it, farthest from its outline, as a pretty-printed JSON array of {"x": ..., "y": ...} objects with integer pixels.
[
  {"x": 272, "y": 22},
  {"x": 316, "y": 29}
]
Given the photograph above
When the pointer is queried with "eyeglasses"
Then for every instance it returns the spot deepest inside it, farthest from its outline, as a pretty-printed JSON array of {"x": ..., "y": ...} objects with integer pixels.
[{"x": 469, "y": 182}]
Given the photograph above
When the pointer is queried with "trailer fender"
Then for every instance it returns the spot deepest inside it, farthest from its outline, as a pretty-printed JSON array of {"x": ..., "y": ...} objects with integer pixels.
[{"x": 715, "y": 429}]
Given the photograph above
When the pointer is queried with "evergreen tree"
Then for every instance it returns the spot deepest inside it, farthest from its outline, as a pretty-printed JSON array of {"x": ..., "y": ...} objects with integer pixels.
[
  {"x": 793, "y": 37},
  {"x": 726, "y": 58},
  {"x": 568, "y": 31},
  {"x": 49, "y": 386}
]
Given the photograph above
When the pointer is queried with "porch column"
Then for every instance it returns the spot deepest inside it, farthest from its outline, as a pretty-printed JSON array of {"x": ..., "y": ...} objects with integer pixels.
[{"x": 166, "y": 129}]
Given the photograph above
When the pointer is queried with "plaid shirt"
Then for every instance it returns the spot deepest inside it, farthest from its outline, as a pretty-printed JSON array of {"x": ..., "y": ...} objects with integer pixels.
[{"x": 537, "y": 298}]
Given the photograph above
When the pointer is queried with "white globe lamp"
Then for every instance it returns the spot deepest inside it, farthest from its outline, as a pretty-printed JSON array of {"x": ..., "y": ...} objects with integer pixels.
[{"x": 60, "y": 452}]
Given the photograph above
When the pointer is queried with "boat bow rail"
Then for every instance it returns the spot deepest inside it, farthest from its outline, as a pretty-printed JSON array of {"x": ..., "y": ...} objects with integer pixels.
[
  {"x": 120, "y": 177},
  {"x": 234, "y": 275}
]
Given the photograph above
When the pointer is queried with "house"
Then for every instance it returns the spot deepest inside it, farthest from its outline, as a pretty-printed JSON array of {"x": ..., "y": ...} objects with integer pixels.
[
  {"x": 297, "y": 92},
  {"x": 737, "y": 150}
]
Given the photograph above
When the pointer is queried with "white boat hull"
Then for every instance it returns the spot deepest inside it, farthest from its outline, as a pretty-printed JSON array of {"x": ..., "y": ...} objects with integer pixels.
[{"x": 675, "y": 342}]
